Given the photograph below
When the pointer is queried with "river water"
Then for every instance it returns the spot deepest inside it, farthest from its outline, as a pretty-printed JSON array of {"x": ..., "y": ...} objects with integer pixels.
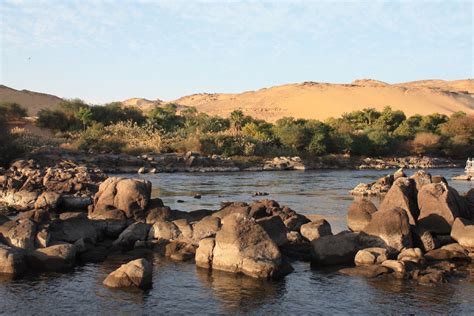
[{"x": 181, "y": 288}]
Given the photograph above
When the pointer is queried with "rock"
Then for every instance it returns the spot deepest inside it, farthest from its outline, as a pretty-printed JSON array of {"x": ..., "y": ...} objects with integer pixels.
[
  {"x": 243, "y": 246},
  {"x": 395, "y": 265},
  {"x": 370, "y": 256},
  {"x": 74, "y": 226},
  {"x": 48, "y": 200},
  {"x": 414, "y": 255},
  {"x": 368, "y": 271},
  {"x": 275, "y": 228},
  {"x": 295, "y": 221},
  {"x": 197, "y": 196},
  {"x": 206, "y": 227},
  {"x": 431, "y": 277},
  {"x": 163, "y": 230},
  {"x": 23, "y": 199},
  {"x": 421, "y": 179},
  {"x": 232, "y": 208},
  {"x": 204, "y": 254},
  {"x": 294, "y": 237},
  {"x": 439, "y": 179},
  {"x": 392, "y": 227},
  {"x": 20, "y": 233},
  {"x": 131, "y": 196},
  {"x": 134, "y": 232},
  {"x": 12, "y": 260},
  {"x": 423, "y": 239},
  {"x": 160, "y": 213},
  {"x": 38, "y": 216},
  {"x": 136, "y": 273},
  {"x": 76, "y": 203},
  {"x": 180, "y": 251},
  {"x": 462, "y": 177},
  {"x": 446, "y": 254},
  {"x": 141, "y": 170},
  {"x": 399, "y": 174},
  {"x": 185, "y": 229},
  {"x": 316, "y": 229},
  {"x": 439, "y": 206},
  {"x": 402, "y": 195},
  {"x": 113, "y": 221},
  {"x": 359, "y": 214},
  {"x": 334, "y": 249},
  {"x": 54, "y": 258},
  {"x": 463, "y": 232}
]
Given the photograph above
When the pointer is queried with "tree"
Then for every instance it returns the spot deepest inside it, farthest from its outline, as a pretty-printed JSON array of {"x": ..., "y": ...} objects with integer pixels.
[
  {"x": 292, "y": 133},
  {"x": 11, "y": 111},
  {"x": 389, "y": 120},
  {"x": 431, "y": 123},
  {"x": 426, "y": 142},
  {"x": 409, "y": 127},
  {"x": 85, "y": 116},
  {"x": 237, "y": 120}
]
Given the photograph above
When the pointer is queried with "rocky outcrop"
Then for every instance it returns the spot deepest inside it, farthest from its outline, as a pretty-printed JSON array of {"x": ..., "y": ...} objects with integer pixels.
[
  {"x": 335, "y": 249},
  {"x": 243, "y": 246},
  {"x": 136, "y": 273},
  {"x": 439, "y": 206},
  {"x": 381, "y": 186},
  {"x": 402, "y": 194},
  {"x": 130, "y": 196},
  {"x": 359, "y": 214},
  {"x": 391, "y": 227},
  {"x": 284, "y": 163},
  {"x": 463, "y": 232}
]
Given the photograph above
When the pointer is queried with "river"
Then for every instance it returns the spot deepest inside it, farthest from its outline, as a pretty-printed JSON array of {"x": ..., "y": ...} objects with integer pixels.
[{"x": 181, "y": 288}]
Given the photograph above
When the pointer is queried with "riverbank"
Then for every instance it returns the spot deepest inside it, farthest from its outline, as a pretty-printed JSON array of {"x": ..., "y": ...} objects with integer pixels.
[{"x": 194, "y": 162}]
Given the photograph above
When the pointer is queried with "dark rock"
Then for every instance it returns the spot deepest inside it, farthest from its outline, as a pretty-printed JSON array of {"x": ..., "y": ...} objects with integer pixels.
[{"x": 359, "y": 214}]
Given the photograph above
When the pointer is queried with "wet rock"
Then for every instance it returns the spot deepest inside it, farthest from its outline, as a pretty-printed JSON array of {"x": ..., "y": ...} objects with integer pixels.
[
  {"x": 395, "y": 265},
  {"x": 463, "y": 232},
  {"x": 131, "y": 196},
  {"x": 12, "y": 260},
  {"x": 414, "y": 255},
  {"x": 275, "y": 228},
  {"x": 446, "y": 254},
  {"x": 335, "y": 249},
  {"x": 402, "y": 195},
  {"x": 73, "y": 226},
  {"x": 163, "y": 230},
  {"x": 368, "y": 271},
  {"x": 359, "y": 214},
  {"x": 206, "y": 227},
  {"x": 197, "y": 196},
  {"x": 20, "y": 233},
  {"x": 136, "y": 273},
  {"x": 439, "y": 206},
  {"x": 431, "y": 277},
  {"x": 315, "y": 229},
  {"x": 186, "y": 230},
  {"x": 243, "y": 246},
  {"x": 112, "y": 222},
  {"x": 55, "y": 258},
  {"x": 134, "y": 232},
  {"x": 392, "y": 227}
]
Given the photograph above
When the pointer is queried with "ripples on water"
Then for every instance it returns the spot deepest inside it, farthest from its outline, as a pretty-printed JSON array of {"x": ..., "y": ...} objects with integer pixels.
[{"x": 181, "y": 288}]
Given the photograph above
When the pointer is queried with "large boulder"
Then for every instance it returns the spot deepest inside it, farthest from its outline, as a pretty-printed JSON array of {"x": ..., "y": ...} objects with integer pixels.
[
  {"x": 370, "y": 256},
  {"x": 439, "y": 205},
  {"x": 20, "y": 233},
  {"x": 131, "y": 196},
  {"x": 232, "y": 208},
  {"x": 335, "y": 249},
  {"x": 133, "y": 233},
  {"x": 53, "y": 258},
  {"x": 243, "y": 246},
  {"x": 391, "y": 227},
  {"x": 12, "y": 260},
  {"x": 359, "y": 214},
  {"x": 316, "y": 229},
  {"x": 204, "y": 253},
  {"x": 421, "y": 179},
  {"x": 402, "y": 194},
  {"x": 275, "y": 228},
  {"x": 463, "y": 232},
  {"x": 136, "y": 273},
  {"x": 111, "y": 221}
]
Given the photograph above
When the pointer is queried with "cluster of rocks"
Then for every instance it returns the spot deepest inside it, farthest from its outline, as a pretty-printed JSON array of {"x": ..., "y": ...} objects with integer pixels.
[
  {"x": 463, "y": 177},
  {"x": 284, "y": 163},
  {"x": 423, "y": 230},
  {"x": 406, "y": 162},
  {"x": 28, "y": 185}
]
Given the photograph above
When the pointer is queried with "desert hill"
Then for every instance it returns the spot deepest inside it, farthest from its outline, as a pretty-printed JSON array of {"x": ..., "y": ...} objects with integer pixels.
[
  {"x": 313, "y": 100},
  {"x": 32, "y": 101}
]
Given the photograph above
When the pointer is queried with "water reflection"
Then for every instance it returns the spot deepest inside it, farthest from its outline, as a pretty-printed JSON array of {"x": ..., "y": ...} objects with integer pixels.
[{"x": 239, "y": 293}]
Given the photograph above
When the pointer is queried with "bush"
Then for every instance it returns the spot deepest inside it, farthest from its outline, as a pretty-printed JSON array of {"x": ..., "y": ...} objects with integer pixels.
[
  {"x": 426, "y": 143},
  {"x": 11, "y": 111}
]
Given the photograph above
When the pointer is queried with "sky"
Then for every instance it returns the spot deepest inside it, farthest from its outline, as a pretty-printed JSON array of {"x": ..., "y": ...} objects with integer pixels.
[{"x": 102, "y": 51}]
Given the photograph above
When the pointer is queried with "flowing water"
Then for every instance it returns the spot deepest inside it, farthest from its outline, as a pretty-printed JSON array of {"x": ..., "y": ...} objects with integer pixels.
[{"x": 181, "y": 288}]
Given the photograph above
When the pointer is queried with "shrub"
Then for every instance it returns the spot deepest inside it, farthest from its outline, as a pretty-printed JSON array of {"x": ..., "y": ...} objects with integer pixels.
[
  {"x": 425, "y": 143},
  {"x": 11, "y": 111}
]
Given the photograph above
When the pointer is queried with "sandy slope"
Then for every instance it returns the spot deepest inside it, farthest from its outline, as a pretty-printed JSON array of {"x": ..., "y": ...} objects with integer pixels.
[
  {"x": 32, "y": 101},
  {"x": 322, "y": 100}
]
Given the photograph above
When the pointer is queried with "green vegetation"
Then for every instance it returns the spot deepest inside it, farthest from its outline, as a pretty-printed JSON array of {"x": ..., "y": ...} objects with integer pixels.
[{"x": 367, "y": 132}]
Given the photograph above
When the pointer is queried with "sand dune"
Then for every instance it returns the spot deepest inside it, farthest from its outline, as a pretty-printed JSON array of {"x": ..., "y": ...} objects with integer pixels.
[
  {"x": 322, "y": 100},
  {"x": 309, "y": 100},
  {"x": 32, "y": 101}
]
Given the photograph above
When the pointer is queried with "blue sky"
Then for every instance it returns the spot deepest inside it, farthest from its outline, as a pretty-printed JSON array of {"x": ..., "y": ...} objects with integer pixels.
[{"x": 111, "y": 50}]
